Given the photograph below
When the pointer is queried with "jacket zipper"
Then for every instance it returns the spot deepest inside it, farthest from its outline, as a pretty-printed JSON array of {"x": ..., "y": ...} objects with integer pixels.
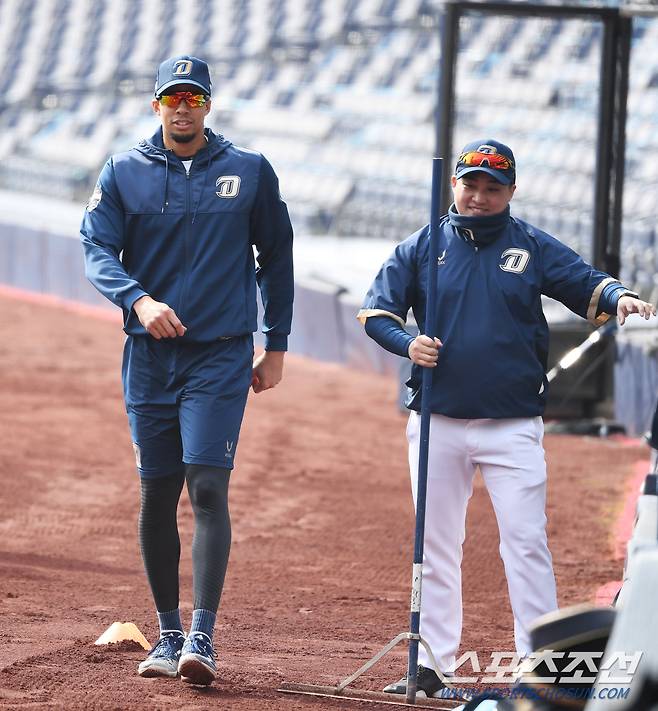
[
  {"x": 471, "y": 238},
  {"x": 186, "y": 246}
]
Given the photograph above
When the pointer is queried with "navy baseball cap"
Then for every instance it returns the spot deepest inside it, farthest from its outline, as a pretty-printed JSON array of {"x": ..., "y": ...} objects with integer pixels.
[
  {"x": 182, "y": 70},
  {"x": 487, "y": 156}
]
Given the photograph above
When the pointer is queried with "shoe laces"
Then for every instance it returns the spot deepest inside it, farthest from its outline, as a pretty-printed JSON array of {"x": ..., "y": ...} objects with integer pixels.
[
  {"x": 202, "y": 642},
  {"x": 168, "y": 645}
]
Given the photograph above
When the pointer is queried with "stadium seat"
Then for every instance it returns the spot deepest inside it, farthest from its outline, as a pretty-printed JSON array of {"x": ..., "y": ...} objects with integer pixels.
[{"x": 347, "y": 86}]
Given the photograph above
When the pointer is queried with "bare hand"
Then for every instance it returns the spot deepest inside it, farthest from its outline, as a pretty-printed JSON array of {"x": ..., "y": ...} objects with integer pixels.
[
  {"x": 267, "y": 370},
  {"x": 425, "y": 351},
  {"x": 630, "y": 305},
  {"x": 159, "y": 319}
]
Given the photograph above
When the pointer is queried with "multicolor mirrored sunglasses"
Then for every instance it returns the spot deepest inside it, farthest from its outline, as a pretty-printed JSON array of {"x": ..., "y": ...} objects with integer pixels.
[{"x": 192, "y": 100}]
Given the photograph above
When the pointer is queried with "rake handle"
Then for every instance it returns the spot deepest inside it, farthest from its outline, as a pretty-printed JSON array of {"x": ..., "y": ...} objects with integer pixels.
[{"x": 423, "y": 453}]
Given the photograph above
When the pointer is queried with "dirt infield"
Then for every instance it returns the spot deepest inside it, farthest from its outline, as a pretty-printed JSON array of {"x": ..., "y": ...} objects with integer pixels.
[{"x": 322, "y": 524}]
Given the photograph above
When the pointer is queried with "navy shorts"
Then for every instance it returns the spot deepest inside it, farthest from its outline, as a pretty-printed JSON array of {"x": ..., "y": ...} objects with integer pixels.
[{"x": 185, "y": 401}]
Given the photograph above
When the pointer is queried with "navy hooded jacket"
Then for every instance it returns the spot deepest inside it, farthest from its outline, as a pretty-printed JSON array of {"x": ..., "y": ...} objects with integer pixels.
[{"x": 187, "y": 240}]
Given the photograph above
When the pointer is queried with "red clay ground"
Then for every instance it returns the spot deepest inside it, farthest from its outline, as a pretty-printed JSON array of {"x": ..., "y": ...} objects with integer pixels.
[{"x": 322, "y": 520}]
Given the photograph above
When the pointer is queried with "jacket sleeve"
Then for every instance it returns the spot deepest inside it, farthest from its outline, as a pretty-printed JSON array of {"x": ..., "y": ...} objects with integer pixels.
[
  {"x": 568, "y": 278},
  {"x": 271, "y": 233},
  {"x": 391, "y": 293},
  {"x": 102, "y": 235},
  {"x": 389, "y": 334}
]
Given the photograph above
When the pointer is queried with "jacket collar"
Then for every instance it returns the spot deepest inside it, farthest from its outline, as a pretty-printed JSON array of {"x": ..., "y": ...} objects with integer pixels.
[{"x": 481, "y": 230}]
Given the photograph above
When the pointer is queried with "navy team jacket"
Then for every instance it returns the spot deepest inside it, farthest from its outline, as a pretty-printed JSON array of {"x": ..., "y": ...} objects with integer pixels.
[
  {"x": 489, "y": 313},
  {"x": 187, "y": 240}
]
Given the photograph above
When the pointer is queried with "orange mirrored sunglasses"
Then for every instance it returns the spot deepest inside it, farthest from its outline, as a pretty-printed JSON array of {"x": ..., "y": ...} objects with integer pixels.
[
  {"x": 492, "y": 160},
  {"x": 192, "y": 100}
]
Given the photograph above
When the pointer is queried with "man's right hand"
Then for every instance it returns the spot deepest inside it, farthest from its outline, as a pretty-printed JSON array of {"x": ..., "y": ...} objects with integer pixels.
[
  {"x": 159, "y": 319},
  {"x": 424, "y": 351}
]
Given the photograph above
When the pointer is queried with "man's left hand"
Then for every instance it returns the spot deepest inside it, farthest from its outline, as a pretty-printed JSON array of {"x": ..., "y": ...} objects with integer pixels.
[
  {"x": 630, "y": 305},
  {"x": 267, "y": 370}
]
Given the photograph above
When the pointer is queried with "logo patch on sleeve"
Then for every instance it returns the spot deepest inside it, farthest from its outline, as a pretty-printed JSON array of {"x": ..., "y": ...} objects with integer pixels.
[
  {"x": 138, "y": 455},
  {"x": 95, "y": 198}
]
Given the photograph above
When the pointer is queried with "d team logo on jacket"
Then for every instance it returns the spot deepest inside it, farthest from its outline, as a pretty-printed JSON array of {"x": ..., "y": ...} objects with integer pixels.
[
  {"x": 228, "y": 186},
  {"x": 515, "y": 260}
]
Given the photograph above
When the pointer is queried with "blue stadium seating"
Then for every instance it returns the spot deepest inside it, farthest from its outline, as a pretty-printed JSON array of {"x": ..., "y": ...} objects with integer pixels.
[{"x": 340, "y": 95}]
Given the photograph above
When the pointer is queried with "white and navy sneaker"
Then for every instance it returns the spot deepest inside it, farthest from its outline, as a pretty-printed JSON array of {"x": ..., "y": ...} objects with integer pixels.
[
  {"x": 197, "y": 660},
  {"x": 163, "y": 658},
  {"x": 428, "y": 684}
]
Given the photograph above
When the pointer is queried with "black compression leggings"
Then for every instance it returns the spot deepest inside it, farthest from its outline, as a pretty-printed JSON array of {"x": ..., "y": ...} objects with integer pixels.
[
  {"x": 208, "y": 489},
  {"x": 158, "y": 538},
  {"x": 160, "y": 544}
]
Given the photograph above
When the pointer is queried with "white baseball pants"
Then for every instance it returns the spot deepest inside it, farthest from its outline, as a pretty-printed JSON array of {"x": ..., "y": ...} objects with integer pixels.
[{"x": 510, "y": 455}]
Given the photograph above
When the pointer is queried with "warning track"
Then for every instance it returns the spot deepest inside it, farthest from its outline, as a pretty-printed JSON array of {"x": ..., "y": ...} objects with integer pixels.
[{"x": 322, "y": 520}]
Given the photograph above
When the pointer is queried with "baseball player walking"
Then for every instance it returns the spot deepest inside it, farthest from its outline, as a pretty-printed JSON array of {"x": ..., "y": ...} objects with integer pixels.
[
  {"x": 168, "y": 236},
  {"x": 489, "y": 385}
]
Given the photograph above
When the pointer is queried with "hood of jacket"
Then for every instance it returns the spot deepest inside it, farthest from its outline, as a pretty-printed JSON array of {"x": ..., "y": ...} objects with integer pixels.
[{"x": 154, "y": 149}]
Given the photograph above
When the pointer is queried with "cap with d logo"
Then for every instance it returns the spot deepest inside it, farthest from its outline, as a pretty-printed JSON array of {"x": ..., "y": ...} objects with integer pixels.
[
  {"x": 182, "y": 70},
  {"x": 487, "y": 156}
]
